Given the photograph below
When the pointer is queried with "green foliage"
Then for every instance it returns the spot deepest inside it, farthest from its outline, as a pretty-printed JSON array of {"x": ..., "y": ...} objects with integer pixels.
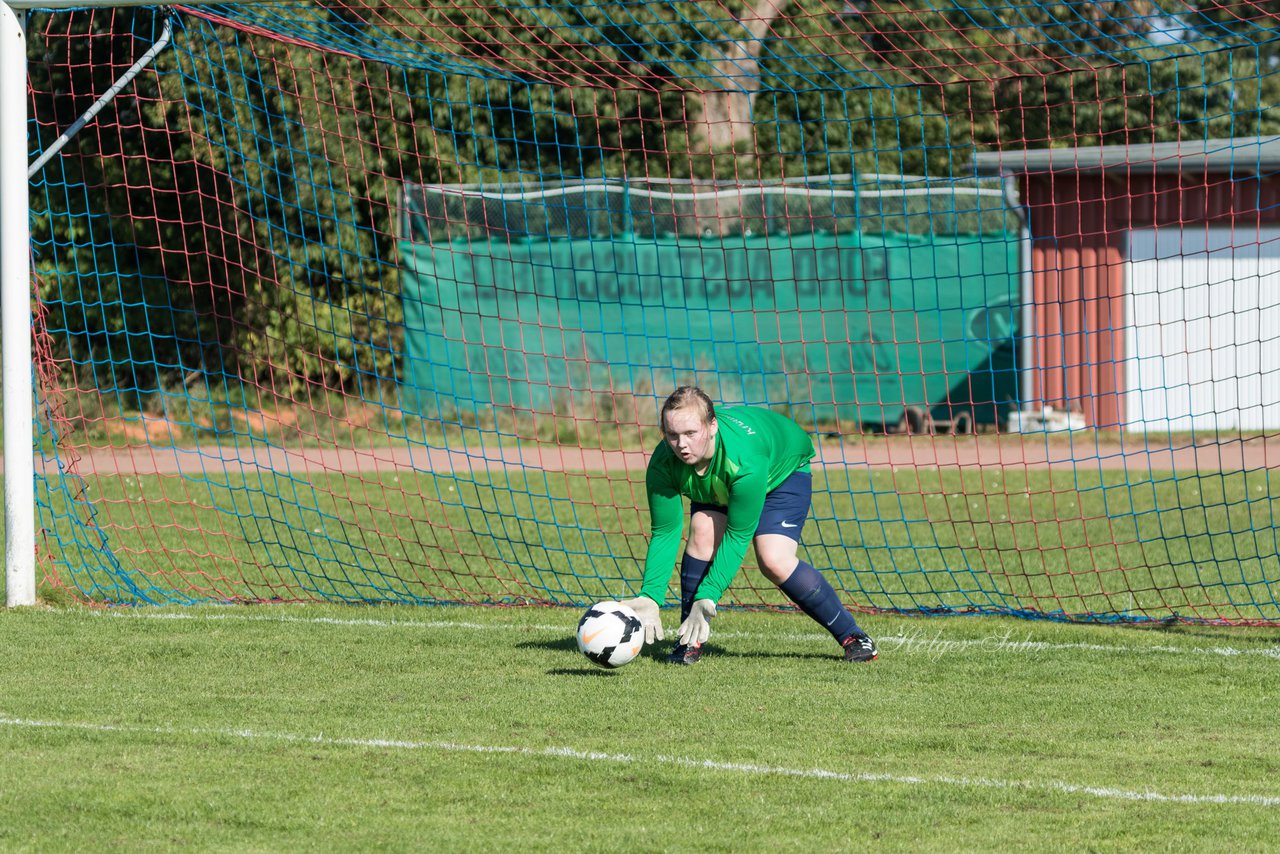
[{"x": 232, "y": 213}]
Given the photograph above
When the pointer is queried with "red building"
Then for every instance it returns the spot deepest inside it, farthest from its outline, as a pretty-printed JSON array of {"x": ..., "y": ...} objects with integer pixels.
[{"x": 1154, "y": 281}]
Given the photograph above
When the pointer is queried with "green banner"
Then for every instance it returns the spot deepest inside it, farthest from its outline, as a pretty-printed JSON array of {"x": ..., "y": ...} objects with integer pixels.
[{"x": 859, "y": 326}]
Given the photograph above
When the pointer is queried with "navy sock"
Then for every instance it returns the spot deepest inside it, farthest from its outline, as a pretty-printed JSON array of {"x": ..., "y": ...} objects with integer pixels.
[
  {"x": 692, "y": 571},
  {"x": 817, "y": 598}
]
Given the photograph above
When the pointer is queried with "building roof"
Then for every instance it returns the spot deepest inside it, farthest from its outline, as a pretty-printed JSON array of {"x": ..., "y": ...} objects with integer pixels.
[{"x": 1248, "y": 155}]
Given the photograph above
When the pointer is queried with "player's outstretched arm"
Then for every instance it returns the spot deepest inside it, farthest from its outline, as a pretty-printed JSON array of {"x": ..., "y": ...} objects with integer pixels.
[{"x": 647, "y": 610}]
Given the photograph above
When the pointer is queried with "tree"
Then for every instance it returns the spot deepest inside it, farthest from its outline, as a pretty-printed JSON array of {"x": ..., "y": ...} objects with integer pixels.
[
  {"x": 726, "y": 99},
  {"x": 249, "y": 173}
]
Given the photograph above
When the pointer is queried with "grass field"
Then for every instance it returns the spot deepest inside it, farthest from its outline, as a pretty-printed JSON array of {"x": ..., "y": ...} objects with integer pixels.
[
  {"x": 393, "y": 727},
  {"x": 401, "y": 728}
]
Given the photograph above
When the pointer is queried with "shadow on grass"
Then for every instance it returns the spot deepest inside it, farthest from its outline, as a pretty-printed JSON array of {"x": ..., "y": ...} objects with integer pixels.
[
  {"x": 711, "y": 652},
  {"x": 569, "y": 644},
  {"x": 658, "y": 653},
  {"x": 794, "y": 656},
  {"x": 1242, "y": 635}
]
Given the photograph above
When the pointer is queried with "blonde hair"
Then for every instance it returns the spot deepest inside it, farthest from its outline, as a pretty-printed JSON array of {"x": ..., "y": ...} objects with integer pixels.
[{"x": 688, "y": 397}]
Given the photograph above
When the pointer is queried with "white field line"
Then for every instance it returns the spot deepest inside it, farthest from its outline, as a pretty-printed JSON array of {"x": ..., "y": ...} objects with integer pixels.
[
  {"x": 1050, "y": 786},
  {"x": 913, "y": 641}
]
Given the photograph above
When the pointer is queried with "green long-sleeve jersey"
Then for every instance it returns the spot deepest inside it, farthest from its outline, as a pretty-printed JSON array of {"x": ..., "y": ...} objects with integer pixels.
[{"x": 755, "y": 450}]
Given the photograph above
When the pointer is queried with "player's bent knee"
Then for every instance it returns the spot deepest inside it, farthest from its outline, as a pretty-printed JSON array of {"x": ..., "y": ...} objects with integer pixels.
[
  {"x": 703, "y": 534},
  {"x": 779, "y": 568},
  {"x": 773, "y": 575},
  {"x": 701, "y": 547},
  {"x": 776, "y": 556}
]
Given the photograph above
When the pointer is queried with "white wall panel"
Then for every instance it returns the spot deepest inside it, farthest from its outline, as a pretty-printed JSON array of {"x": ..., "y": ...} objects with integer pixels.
[{"x": 1202, "y": 343}]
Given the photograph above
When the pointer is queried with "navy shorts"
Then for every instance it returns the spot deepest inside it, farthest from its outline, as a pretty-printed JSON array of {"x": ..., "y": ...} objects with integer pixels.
[{"x": 785, "y": 508}]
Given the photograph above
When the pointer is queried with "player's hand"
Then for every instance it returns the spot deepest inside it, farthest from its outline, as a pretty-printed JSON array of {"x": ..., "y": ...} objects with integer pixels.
[
  {"x": 697, "y": 626},
  {"x": 647, "y": 610}
]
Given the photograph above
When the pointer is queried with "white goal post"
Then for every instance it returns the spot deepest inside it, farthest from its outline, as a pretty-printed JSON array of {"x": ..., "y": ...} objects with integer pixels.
[
  {"x": 15, "y": 316},
  {"x": 17, "y": 389}
]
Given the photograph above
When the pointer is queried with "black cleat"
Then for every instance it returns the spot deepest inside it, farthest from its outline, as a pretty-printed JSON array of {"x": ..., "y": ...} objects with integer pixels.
[
  {"x": 859, "y": 648},
  {"x": 685, "y": 654}
]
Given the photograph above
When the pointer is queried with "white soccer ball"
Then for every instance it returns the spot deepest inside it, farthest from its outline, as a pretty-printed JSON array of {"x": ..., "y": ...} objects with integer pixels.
[{"x": 610, "y": 634}]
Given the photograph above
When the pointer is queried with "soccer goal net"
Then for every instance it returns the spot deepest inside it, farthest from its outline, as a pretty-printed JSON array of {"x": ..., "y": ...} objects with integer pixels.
[{"x": 377, "y": 302}]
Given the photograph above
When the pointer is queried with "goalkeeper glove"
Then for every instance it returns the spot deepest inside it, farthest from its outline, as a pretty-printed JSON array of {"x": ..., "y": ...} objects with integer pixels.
[
  {"x": 697, "y": 626},
  {"x": 647, "y": 610}
]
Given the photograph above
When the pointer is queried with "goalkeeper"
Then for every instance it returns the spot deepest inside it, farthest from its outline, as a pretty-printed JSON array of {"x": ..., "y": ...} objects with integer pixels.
[{"x": 746, "y": 473}]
